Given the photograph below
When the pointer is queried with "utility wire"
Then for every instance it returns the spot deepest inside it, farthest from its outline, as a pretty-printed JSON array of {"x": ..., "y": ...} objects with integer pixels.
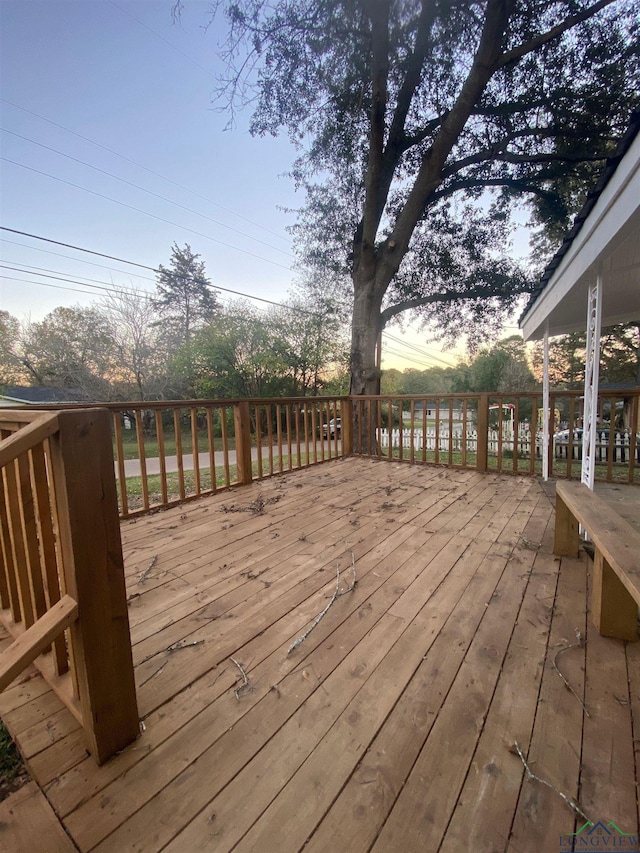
[
  {"x": 145, "y": 168},
  {"x": 46, "y": 284},
  {"x": 149, "y": 192},
  {"x": 424, "y": 352},
  {"x": 151, "y": 269},
  {"x": 71, "y": 258},
  {"x": 99, "y": 285},
  {"x": 145, "y": 212}
]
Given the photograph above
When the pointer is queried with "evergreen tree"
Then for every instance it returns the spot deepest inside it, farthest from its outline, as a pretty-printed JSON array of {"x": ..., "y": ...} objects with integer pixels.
[{"x": 185, "y": 299}]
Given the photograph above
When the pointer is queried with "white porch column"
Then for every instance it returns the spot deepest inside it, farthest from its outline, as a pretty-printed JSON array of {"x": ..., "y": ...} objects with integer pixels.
[
  {"x": 592, "y": 368},
  {"x": 545, "y": 405}
]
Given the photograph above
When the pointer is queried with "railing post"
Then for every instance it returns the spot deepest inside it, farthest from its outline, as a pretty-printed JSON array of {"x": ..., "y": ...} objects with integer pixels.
[
  {"x": 242, "y": 420},
  {"x": 482, "y": 450},
  {"x": 346, "y": 426},
  {"x": 93, "y": 568}
]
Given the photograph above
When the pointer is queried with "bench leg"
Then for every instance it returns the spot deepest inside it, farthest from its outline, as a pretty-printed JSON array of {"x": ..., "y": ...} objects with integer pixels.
[
  {"x": 613, "y": 610},
  {"x": 566, "y": 537}
]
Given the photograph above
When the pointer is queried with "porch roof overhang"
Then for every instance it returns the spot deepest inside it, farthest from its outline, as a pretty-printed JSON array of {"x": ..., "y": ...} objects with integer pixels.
[{"x": 605, "y": 240}]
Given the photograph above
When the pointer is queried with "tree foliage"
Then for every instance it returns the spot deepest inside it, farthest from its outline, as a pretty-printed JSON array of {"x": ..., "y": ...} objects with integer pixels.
[
  {"x": 70, "y": 348},
  {"x": 407, "y": 113},
  {"x": 185, "y": 299},
  {"x": 619, "y": 357},
  {"x": 277, "y": 353}
]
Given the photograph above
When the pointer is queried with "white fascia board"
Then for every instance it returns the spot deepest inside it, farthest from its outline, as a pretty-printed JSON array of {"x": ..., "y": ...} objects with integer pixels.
[{"x": 601, "y": 231}]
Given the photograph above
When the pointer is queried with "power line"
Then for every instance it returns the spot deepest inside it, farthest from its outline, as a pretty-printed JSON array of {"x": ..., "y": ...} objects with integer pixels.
[
  {"x": 72, "y": 289},
  {"x": 402, "y": 355},
  {"x": 45, "y": 284},
  {"x": 151, "y": 269},
  {"x": 71, "y": 258},
  {"x": 422, "y": 351},
  {"x": 59, "y": 275},
  {"x": 142, "y": 189},
  {"x": 145, "y": 212},
  {"x": 140, "y": 166}
]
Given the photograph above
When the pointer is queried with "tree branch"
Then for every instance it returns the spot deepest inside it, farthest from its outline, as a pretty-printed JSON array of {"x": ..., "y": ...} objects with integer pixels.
[
  {"x": 533, "y": 44},
  {"x": 521, "y": 185},
  {"x": 484, "y": 292},
  {"x": 379, "y": 13},
  {"x": 429, "y": 174}
]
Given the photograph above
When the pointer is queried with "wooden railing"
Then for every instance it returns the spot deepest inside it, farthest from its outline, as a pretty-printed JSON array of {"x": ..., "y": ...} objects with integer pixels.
[
  {"x": 62, "y": 588},
  {"x": 501, "y": 432},
  {"x": 166, "y": 453}
]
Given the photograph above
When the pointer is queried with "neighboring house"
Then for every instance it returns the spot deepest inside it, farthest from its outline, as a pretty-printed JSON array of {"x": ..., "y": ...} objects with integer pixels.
[{"x": 19, "y": 396}]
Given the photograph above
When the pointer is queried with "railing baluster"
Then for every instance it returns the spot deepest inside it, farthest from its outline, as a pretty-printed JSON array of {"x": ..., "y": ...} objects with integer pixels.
[
  {"x": 225, "y": 445},
  {"x": 212, "y": 451},
  {"x": 287, "y": 412},
  {"x": 177, "y": 430},
  {"x": 142, "y": 459},
  {"x": 122, "y": 479},
  {"x": 18, "y": 545},
  {"x": 30, "y": 535},
  {"x": 48, "y": 547},
  {"x": 195, "y": 450},
  {"x": 12, "y": 598}
]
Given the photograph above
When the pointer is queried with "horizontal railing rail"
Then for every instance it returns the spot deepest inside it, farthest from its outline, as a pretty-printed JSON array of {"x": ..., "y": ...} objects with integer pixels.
[{"x": 62, "y": 591}]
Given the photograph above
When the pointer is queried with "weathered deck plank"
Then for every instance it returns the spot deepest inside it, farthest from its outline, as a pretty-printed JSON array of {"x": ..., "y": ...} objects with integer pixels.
[{"x": 388, "y": 727}]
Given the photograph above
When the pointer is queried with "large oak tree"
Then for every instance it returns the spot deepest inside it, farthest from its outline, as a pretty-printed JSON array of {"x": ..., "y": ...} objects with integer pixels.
[{"x": 408, "y": 113}]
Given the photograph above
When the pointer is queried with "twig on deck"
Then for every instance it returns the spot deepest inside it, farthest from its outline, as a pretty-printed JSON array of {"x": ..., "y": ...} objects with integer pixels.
[
  {"x": 532, "y": 776},
  {"x": 144, "y": 574},
  {"x": 182, "y": 645},
  {"x": 578, "y": 645},
  {"x": 304, "y": 636},
  {"x": 354, "y": 581},
  {"x": 244, "y": 687},
  {"x": 335, "y": 595}
]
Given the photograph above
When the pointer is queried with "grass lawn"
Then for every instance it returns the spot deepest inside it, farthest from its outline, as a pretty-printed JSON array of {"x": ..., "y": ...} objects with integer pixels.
[
  {"x": 13, "y": 773},
  {"x": 130, "y": 444}
]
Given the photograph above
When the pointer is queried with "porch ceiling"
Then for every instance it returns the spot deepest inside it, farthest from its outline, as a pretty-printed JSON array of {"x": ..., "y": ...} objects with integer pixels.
[{"x": 606, "y": 238}]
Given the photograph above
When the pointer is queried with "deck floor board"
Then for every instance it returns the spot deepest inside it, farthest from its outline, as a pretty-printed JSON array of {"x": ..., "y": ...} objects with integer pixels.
[{"x": 390, "y": 726}]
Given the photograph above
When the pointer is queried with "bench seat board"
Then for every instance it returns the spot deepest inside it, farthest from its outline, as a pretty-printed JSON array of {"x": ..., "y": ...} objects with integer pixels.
[{"x": 616, "y": 589}]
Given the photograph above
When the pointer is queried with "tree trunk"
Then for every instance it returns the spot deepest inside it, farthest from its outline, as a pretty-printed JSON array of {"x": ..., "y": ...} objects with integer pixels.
[{"x": 365, "y": 376}]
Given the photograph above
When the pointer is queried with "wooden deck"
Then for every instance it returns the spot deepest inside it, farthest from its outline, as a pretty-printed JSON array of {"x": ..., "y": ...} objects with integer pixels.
[{"x": 392, "y": 726}]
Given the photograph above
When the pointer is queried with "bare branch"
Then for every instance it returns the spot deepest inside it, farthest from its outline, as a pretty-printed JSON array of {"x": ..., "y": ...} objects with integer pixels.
[
  {"x": 243, "y": 688},
  {"x": 449, "y": 296},
  {"x": 144, "y": 575},
  {"x": 532, "y": 776}
]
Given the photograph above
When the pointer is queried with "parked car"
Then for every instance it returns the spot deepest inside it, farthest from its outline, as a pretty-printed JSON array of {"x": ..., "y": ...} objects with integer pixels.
[{"x": 332, "y": 429}]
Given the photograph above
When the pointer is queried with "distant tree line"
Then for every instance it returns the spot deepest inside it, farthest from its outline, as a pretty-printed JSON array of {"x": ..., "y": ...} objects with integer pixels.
[
  {"x": 509, "y": 367},
  {"x": 179, "y": 342}
]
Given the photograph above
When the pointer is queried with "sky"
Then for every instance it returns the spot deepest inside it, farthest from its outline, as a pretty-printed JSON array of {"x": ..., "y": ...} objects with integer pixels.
[{"x": 110, "y": 141}]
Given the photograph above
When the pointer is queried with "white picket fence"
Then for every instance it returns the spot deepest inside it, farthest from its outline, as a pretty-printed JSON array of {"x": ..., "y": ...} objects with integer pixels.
[
  {"x": 443, "y": 439},
  {"x": 621, "y": 445}
]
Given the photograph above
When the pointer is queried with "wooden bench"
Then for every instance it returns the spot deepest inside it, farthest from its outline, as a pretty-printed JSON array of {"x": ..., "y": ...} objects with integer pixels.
[{"x": 616, "y": 564}]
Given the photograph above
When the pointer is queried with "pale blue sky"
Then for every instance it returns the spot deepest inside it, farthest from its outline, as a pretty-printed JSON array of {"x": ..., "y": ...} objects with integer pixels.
[{"x": 90, "y": 67}]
